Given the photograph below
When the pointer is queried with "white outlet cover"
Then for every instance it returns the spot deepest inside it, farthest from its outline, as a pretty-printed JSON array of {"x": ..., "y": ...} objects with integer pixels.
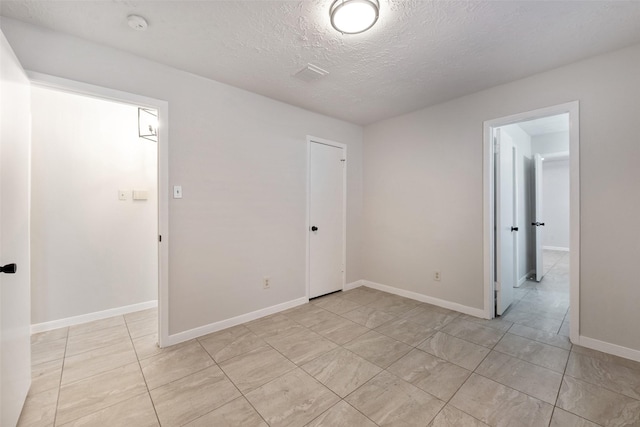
[
  {"x": 177, "y": 191},
  {"x": 122, "y": 194}
]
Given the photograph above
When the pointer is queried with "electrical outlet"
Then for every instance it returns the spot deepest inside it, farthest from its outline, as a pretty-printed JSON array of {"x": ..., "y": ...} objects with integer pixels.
[
  {"x": 266, "y": 284},
  {"x": 436, "y": 276}
]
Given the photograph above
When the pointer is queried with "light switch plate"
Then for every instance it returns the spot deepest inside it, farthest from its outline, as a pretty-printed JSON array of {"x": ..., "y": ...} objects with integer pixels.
[
  {"x": 177, "y": 191},
  {"x": 140, "y": 194}
]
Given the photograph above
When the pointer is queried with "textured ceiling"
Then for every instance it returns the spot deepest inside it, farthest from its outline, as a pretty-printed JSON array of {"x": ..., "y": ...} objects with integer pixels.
[{"x": 419, "y": 53}]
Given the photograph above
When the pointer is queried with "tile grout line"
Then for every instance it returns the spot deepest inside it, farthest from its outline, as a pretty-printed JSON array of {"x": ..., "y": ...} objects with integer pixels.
[
  {"x": 64, "y": 358},
  {"x": 153, "y": 405},
  {"x": 234, "y": 384}
]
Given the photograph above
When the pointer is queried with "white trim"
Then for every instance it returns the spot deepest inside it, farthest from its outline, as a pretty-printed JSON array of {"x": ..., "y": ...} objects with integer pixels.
[
  {"x": 572, "y": 108},
  {"x": 555, "y": 248},
  {"x": 353, "y": 285},
  {"x": 477, "y": 312},
  {"x": 233, "y": 321},
  {"x": 616, "y": 350},
  {"x": 524, "y": 278},
  {"x": 90, "y": 317},
  {"x": 86, "y": 89},
  {"x": 310, "y": 140}
]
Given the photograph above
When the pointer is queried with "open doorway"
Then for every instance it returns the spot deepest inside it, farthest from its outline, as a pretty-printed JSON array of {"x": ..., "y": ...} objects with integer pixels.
[
  {"x": 98, "y": 208},
  {"x": 531, "y": 221}
]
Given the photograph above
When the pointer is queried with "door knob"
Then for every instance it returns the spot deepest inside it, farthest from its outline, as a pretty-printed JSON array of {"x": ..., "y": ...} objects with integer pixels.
[
  {"x": 537, "y": 224},
  {"x": 314, "y": 228},
  {"x": 9, "y": 269},
  {"x": 514, "y": 228}
]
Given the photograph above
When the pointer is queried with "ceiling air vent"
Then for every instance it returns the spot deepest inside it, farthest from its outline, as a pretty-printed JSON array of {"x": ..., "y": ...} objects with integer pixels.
[{"x": 311, "y": 73}]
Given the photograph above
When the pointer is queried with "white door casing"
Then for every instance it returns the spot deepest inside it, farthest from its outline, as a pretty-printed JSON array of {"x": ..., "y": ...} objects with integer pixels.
[
  {"x": 15, "y": 310},
  {"x": 489, "y": 233},
  {"x": 538, "y": 221},
  {"x": 327, "y": 167},
  {"x": 505, "y": 221}
]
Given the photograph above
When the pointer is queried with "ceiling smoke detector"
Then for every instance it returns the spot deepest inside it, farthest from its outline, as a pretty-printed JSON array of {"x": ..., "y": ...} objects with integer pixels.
[
  {"x": 137, "y": 22},
  {"x": 311, "y": 73}
]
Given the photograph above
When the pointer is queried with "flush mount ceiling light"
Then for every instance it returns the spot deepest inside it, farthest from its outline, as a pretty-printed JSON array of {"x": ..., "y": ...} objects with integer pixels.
[{"x": 354, "y": 16}]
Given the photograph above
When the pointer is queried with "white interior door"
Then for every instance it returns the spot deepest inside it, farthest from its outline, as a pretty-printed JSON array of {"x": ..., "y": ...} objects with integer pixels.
[
  {"x": 538, "y": 222},
  {"x": 505, "y": 222},
  {"x": 15, "y": 130},
  {"x": 326, "y": 218}
]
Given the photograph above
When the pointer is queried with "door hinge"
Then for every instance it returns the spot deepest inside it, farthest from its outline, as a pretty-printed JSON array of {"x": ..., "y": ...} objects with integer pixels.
[
  {"x": 496, "y": 145},
  {"x": 497, "y": 286},
  {"x": 160, "y": 238}
]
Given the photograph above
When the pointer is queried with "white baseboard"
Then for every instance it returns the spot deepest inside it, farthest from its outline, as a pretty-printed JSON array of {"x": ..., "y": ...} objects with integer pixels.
[
  {"x": 233, "y": 321},
  {"x": 524, "y": 278},
  {"x": 352, "y": 285},
  {"x": 90, "y": 317},
  {"x": 556, "y": 248},
  {"x": 605, "y": 347},
  {"x": 477, "y": 312}
]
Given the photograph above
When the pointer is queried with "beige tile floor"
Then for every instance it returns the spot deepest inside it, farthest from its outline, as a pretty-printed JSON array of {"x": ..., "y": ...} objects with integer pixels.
[{"x": 356, "y": 358}]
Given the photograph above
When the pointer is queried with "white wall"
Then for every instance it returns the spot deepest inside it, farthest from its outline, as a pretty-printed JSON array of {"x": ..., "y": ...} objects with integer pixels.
[
  {"x": 423, "y": 191},
  {"x": 555, "y": 207},
  {"x": 241, "y": 159},
  {"x": 555, "y": 188},
  {"x": 526, "y": 255},
  {"x": 554, "y": 142},
  {"x": 90, "y": 251}
]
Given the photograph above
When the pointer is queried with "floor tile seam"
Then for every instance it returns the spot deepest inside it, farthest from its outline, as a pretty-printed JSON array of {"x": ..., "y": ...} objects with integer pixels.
[
  {"x": 520, "y": 391},
  {"x": 612, "y": 362},
  {"x": 564, "y": 374},
  {"x": 577, "y": 415},
  {"x": 538, "y": 341},
  {"x": 530, "y": 362},
  {"x": 291, "y": 369},
  {"x": 146, "y": 385},
  {"x": 454, "y": 406},
  {"x": 48, "y": 340},
  {"x": 601, "y": 386},
  {"x": 395, "y": 339},
  {"x": 64, "y": 356},
  {"x": 227, "y": 346},
  {"x": 541, "y": 307},
  {"x": 107, "y": 407},
  {"x": 99, "y": 373},
  {"x": 113, "y": 368},
  {"x": 175, "y": 379},
  {"x": 242, "y": 396},
  {"x": 481, "y": 345},
  {"x": 48, "y": 361},
  {"x": 426, "y": 391},
  {"x": 103, "y": 345},
  {"x": 536, "y": 314},
  {"x": 436, "y": 328},
  {"x": 372, "y": 329},
  {"x": 266, "y": 344},
  {"x": 347, "y": 403},
  {"x": 462, "y": 339},
  {"x": 96, "y": 331}
]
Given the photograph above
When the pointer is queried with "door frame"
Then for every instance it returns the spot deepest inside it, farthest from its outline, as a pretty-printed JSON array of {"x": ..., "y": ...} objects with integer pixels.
[
  {"x": 66, "y": 85},
  {"x": 572, "y": 108},
  {"x": 314, "y": 140}
]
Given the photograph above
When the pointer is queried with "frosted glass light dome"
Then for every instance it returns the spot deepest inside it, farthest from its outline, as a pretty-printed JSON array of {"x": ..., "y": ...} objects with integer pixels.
[{"x": 354, "y": 16}]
